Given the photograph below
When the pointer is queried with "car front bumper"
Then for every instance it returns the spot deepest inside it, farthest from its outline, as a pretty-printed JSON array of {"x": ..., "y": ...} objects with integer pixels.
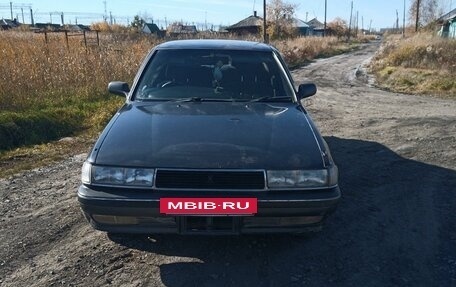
[{"x": 131, "y": 211}]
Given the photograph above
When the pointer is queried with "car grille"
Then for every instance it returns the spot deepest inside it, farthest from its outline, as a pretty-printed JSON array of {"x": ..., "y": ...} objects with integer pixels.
[{"x": 210, "y": 179}]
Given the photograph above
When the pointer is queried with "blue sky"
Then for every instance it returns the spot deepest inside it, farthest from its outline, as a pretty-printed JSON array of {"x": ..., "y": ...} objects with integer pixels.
[{"x": 225, "y": 12}]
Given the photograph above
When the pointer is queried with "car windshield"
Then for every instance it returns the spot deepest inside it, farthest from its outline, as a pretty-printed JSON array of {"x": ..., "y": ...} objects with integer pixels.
[{"x": 208, "y": 75}]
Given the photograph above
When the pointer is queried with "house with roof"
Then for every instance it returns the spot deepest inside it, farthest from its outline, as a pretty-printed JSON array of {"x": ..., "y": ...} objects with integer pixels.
[
  {"x": 178, "y": 29},
  {"x": 302, "y": 28},
  {"x": 48, "y": 26},
  {"x": 318, "y": 28},
  {"x": 76, "y": 28},
  {"x": 248, "y": 26},
  {"x": 6, "y": 24},
  {"x": 448, "y": 24},
  {"x": 152, "y": 29}
]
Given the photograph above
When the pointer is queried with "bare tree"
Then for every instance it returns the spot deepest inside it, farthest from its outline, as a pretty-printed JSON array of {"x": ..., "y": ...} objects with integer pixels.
[
  {"x": 338, "y": 27},
  {"x": 429, "y": 11},
  {"x": 281, "y": 19},
  {"x": 431, "y": 8}
]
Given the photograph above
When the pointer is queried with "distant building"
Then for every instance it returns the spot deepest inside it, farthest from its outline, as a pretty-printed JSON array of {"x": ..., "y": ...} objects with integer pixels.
[
  {"x": 384, "y": 31},
  {"x": 249, "y": 25},
  {"x": 48, "y": 26},
  {"x": 302, "y": 27},
  {"x": 6, "y": 24},
  {"x": 152, "y": 28},
  {"x": 318, "y": 28},
  {"x": 83, "y": 27},
  {"x": 76, "y": 28},
  {"x": 448, "y": 25},
  {"x": 178, "y": 29}
]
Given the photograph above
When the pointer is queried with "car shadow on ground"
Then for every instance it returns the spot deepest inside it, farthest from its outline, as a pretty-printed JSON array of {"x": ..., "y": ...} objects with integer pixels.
[{"x": 394, "y": 226}]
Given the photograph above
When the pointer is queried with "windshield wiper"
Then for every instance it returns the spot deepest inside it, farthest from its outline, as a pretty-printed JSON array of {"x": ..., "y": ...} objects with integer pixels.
[
  {"x": 191, "y": 99},
  {"x": 270, "y": 99},
  {"x": 198, "y": 99}
]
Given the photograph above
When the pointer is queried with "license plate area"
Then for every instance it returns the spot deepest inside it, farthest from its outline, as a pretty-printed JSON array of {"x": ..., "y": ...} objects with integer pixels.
[
  {"x": 208, "y": 206},
  {"x": 209, "y": 225}
]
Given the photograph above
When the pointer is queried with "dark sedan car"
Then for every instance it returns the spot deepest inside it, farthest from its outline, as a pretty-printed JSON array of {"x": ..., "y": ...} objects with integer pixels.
[{"x": 212, "y": 139}]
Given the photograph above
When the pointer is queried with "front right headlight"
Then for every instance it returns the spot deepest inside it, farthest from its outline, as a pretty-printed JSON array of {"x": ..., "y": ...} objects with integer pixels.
[
  {"x": 302, "y": 178},
  {"x": 297, "y": 178}
]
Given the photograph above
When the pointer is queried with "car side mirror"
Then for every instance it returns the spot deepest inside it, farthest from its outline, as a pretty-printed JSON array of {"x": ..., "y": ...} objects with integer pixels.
[
  {"x": 119, "y": 88},
  {"x": 306, "y": 90}
]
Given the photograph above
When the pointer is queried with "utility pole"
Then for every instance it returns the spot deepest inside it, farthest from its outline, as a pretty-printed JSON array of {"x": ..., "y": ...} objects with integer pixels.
[
  {"x": 265, "y": 34},
  {"x": 22, "y": 10},
  {"x": 110, "y": 18},
  {"x": 370, "y": 26},
  {"x": 362, "y": 25},
  {"x": 417, "y": 22},
  {"x": 31, "y": 17},
  {"x": 11, "y": 9},
  {"x": 350, "y": 23},
  {"x": 397, "y": 21},
  {"x": 105, "y": 11},
  {"x": 61, "y": 17},
  {"x": 357, "y": 23},
  {"x": 403, "y": 23},
  {"x": 326, "y": 10}
]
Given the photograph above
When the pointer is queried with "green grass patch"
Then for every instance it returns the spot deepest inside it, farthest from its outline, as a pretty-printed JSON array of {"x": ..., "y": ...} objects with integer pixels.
[
  {"x": 35, "y": 126},
  {"x": 444, "y": 84},
  {"x": 385, "y": 72}
]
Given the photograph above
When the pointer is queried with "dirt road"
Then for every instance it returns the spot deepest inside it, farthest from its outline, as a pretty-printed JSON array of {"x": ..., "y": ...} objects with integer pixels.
[{"x": 396, "y": 223}]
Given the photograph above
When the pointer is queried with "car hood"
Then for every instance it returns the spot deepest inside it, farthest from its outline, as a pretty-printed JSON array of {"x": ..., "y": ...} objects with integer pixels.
[{"x": 210, "y": 135}]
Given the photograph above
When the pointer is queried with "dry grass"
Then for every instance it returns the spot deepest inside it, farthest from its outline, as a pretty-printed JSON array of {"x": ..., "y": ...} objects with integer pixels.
[
  {"x": 40, "y": 74},
  {"x": 50, "y": 90},
  {"x": 421, "y": 64},
  {"x": 301, "y": 50}
]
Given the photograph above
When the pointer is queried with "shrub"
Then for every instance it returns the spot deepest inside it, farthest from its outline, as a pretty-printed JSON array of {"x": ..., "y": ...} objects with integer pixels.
[{"x": 423, "y": 64}]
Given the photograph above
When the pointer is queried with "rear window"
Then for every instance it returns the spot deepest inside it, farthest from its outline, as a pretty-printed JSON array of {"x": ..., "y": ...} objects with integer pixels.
[{"x": 237, "y": 75}]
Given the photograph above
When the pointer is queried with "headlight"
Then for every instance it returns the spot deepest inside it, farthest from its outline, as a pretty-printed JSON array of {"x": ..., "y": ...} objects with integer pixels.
[
  {"x": 302, "y": 178},
  {"x": 85, "y": 173},
  {"x": 119, "y": 176}
]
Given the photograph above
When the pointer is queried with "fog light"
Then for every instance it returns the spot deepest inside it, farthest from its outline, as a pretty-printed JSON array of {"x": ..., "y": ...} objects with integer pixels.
[
  {"x": 115, "y": 220},
  {"x": 300, "y": 220},
  {"x": 281, "y": 221}
]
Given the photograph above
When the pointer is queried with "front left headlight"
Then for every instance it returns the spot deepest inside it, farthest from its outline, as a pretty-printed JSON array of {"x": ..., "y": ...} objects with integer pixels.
[
  {"x": 302, "y": 178},
  {"x": 117, "y": 176},
  {"x": 86, "y": 172}
]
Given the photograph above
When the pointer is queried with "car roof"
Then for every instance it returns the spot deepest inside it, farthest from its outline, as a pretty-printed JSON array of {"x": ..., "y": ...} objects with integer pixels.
[{"x": 216, "y": 45}]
